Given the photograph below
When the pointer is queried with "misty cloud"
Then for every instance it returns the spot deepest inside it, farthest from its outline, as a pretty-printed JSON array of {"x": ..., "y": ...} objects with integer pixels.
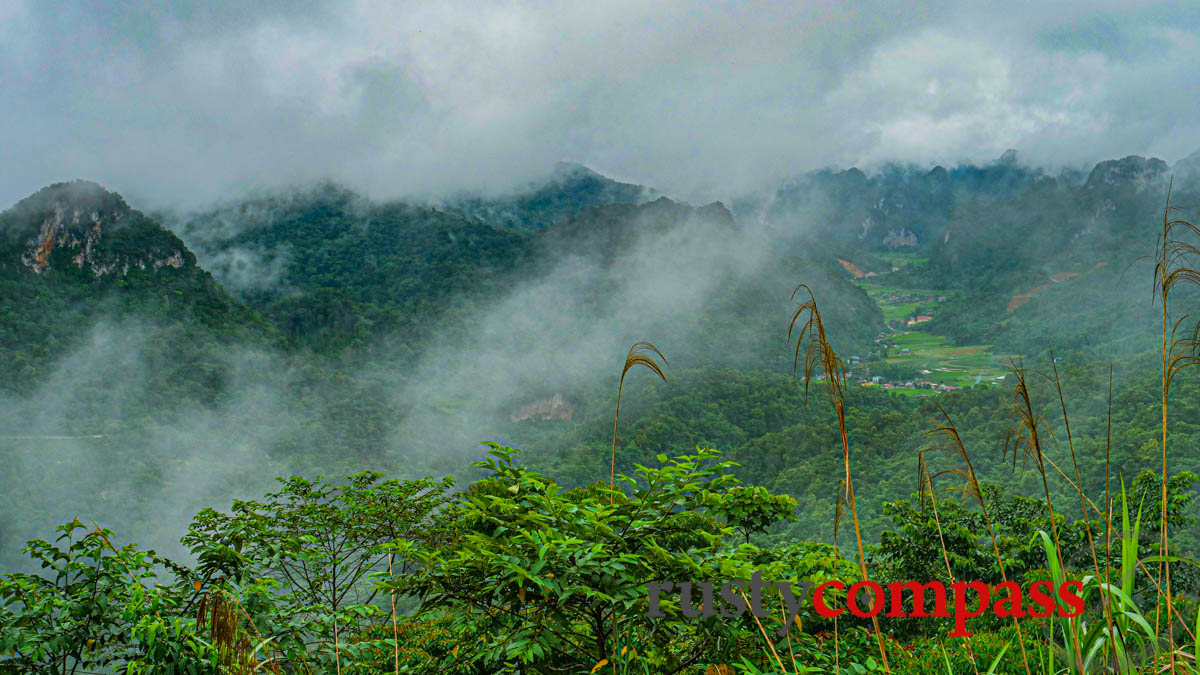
[
  {"x": 568, "y": 328},
  {"x": 172, "y": 104},
  {"x": 244, "y": 269},
  {"x": 96, "y": 439},
  {"x": 198, "y": 453},
  {"x": 100, "y": 440}
]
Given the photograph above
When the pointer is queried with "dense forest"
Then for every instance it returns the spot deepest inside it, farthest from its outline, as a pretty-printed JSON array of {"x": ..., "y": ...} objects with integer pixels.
[{"x": 306, "y": 431}]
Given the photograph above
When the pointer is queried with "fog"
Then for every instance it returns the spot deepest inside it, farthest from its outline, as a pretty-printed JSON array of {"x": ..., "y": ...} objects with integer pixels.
[
  {"x": 145, "y": 462},
  {"x": 81, "y": 451}
]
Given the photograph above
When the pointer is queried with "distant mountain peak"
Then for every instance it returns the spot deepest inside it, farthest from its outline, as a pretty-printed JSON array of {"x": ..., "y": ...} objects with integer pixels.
[
  {"x": 81, "y": 224},
  {"x": 1187, "y": 170},
  {"x": 81, "y": 195},
  {"x": 717, "y": 212},
  {"x": 1134, "y": 170},
  {"x": 572, "y": 169},
  {"x": 1193, "y": 158},
  {"x": 569, "y": 190}
]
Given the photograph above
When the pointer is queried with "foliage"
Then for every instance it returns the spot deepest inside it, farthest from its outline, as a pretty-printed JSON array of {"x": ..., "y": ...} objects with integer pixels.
[
  {"x": 93, "y": 607},
  {"x": 306, "y": 555},
  {"x": 541, "y": 570},
  {"x": 752, "y": 510}
]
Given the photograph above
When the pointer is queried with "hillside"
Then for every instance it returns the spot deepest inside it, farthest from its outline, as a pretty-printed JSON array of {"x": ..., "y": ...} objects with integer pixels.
[
  {"x": 74, "y": 254},
  {"x": 897, "y": 207},
  {"x": 375, "y": 332},
  {"x": 1029, "y": 258},
  {"x": 569, "y": 190},
  {"x": 332, "y": 269}
]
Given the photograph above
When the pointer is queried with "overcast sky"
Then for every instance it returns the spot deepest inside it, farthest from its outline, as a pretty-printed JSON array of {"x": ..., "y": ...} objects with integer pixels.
[{"x": 171, "y": 104}]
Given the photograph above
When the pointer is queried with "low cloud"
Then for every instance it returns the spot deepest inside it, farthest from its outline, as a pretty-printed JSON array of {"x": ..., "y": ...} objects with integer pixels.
[{"x": 176, "y": 106}]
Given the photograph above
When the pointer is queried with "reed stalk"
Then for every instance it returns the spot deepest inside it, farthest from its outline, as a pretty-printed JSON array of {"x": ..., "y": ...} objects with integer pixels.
[
  {"x": 640, "y": 354},
  {"x": 1172, "y": 266},
  {"x": 819, "y": 356},
  {"x": 925, "y": 484},
  {"x": 972, "y": 488},
  {"x": 1087, "y": 516},
  {"x": 1026, "y": 438}
]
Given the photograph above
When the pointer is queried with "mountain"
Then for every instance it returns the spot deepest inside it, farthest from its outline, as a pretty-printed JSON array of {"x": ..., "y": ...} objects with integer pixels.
[
  {"x": 570, "y": 190},
  {"x": 336, "y": 333},
  {"x": 1054, "y": 262},
  {"x": 898, "y": 207},
  {"x": 1132, "y": 171},
  {"x": 73, "y": 254},
  {"x": 81, "y": 225},
  {"x": 608, "y": 232},
  {"x": 1186, "y": 172},
  {"x": 331, "y": 268},
  {"x": 328, "y": 269},
  {"x": 1029, "y": 256}
]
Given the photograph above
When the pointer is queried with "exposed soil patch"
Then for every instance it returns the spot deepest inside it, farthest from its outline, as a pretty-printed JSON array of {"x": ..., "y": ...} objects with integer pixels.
[
  {"x": 852, "y": 268},
  {"x": 1022, "y": 298}
]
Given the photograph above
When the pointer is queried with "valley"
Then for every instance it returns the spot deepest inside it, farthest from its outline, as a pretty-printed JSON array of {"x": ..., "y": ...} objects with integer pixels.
[{"x": 911, "y": 361}]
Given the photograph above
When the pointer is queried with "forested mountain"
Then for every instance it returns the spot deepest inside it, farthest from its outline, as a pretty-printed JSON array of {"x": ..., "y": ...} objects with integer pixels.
[
  {"x": 340, "y": 341},
  {"x": 897, "y": 206},
  {"x": 570, "y": 190},
  {"x": 1033, "y": 257},
  {"x": 73, "y": 255},
  {"x": 369, "y": 307},
  {"x": 332, "y": 269},
  {"x": 1059, "y": 263}
]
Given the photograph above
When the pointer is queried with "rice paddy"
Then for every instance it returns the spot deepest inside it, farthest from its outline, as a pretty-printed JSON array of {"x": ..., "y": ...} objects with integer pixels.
[
  {"x": 932, "y": 357},
  {"x": 940, "y": 362}
]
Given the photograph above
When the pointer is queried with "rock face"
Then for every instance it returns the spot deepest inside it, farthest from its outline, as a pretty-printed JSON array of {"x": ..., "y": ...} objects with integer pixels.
[
  {"x": 1187, "y": 170},
  {"x": 897, "y": 238},
  {"x": 81, "y": 224},
  {"x": 555, "y": 407},
  {"x": 1132, "y": 170}
]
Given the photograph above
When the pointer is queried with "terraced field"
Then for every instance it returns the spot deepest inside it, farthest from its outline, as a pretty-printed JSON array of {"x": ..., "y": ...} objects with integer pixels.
[
  {"x": 930, "y": 356},
  {"x": 943, "y": 363},
  {"x": 899, "y": 303},
  {"x": 898, "y": 259}
]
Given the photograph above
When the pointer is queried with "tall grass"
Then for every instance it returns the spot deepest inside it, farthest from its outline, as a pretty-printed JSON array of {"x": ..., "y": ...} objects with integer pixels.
[
  {"x": 925, "y": 486},
  {"x": 1087, "y": 516},
  {"x": 1026, "y": 437},
  {"x": 820, "y": 357},
  {"x": 1108, "y": 528},
  {"x": 640, "y": 354},
  {"x": 1127, "y": 643},
  {"x": 1172, "y": 267},
  {"x": 971, "y": 488}
]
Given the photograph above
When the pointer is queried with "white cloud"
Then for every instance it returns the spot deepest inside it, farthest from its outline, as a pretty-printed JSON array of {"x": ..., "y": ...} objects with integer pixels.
[{"x": 701, "y": 100}]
